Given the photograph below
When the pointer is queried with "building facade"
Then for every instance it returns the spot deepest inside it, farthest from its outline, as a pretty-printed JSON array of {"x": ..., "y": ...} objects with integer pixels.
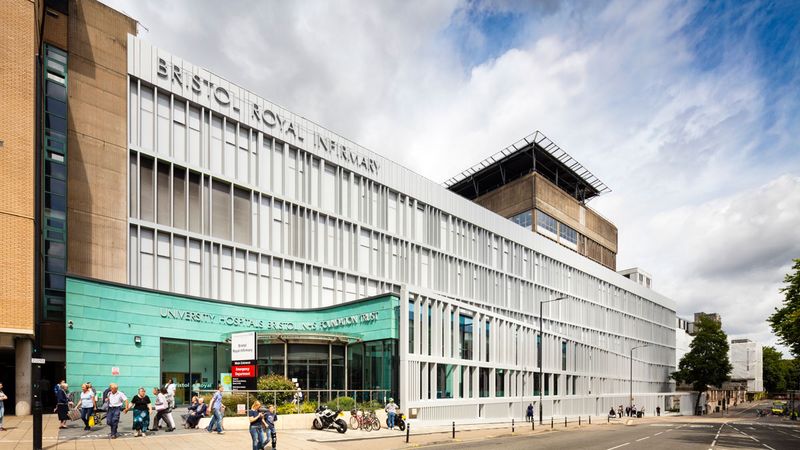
[
  {"x": 196, "y": 209},
  {"x": 748, "y": 368}
]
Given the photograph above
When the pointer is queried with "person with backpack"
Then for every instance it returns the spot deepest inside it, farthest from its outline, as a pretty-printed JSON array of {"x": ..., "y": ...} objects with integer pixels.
[{"x": 529, "y": 413}]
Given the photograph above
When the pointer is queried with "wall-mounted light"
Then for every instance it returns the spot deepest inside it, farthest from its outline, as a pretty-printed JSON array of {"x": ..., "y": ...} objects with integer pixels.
[{"x": 137, "y": 340}]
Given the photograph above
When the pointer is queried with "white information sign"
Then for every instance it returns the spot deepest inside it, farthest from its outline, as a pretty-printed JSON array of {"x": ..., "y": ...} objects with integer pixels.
[{"x": 243, "y": 346}]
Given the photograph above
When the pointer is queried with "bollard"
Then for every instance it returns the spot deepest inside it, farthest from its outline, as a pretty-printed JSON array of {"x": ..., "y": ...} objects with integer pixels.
[
  {"x": 454, "y": 429},
  {"x": 533, "y": 427},
  {"x": 579, "y": 420},
  {"x": 565, "y": 422},
  {"x": 608, "y": 419},
  {"x": 512, "y": 425},
  {"x": 408, "y": 431},
  {"x": 590, "y": 420},
  {"x": 551, "y": 423}
]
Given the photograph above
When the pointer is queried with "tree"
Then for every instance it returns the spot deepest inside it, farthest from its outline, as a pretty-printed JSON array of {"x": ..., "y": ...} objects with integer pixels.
[
  {"x": 774, "y": 370},
  {"x": 785, "y": 321},
  {"x": 707, "y": 362}
]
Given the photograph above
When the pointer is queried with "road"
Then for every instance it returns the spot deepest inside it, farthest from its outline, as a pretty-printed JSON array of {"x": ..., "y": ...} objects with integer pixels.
[{"x": 740, "y": 430}]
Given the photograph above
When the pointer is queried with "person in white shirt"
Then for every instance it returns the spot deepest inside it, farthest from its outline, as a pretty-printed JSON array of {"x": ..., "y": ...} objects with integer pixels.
[
  {"x": 88, "y": 404},
  {"x": 162, "y": 409},
  {"x": 117, "y": 401},
  {"x": 170, "y": 397}
]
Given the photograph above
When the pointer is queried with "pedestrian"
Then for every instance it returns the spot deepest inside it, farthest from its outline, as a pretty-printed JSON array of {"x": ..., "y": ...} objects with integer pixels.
[
  {"x": 105, "y": 397},
  {"x": 117, "y": 401},
  {"x": 628, "y": 411},
  {"x": 162, "y": 409},
  {"x": 298, "y": 396},
  {"x": 642, "y": 411},
  {"x": 196, "y": 388},
  {"x": 3, "y": 398},
  {"x": 633, "y": 411},
  {"x": 269, "y": 420},
  {"x": 170, "y": 396},
  {"x": 619, "y": 411},
  {"x": 529, "y": 413},
  {"x": 198, "y": 413},
  {"x": 141, "y": 412},
  {"x": 658, "y": 411},
  {"x": 612, "y": 413},
  {"x": 256, "y": 428},
  {"x": 62, "y": 405},
  {"x": 217, "y": 411},
  {"x": 88, "y": 403},
  {"x": 391, "y": 413}
]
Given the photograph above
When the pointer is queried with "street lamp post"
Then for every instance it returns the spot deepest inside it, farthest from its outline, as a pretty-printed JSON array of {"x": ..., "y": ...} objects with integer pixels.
[
  {"x": 630, "y": 399},
  {"x": 540, "y": 350}
]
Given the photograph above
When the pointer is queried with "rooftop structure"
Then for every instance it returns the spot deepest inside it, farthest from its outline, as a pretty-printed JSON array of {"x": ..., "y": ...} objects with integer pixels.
[{"x": 533, "y": 153}]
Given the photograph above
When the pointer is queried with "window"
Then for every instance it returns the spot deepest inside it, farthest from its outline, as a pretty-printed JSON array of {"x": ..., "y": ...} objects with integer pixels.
[
  {"x": 465, "y": 335},
  {"x": 410, "y": 327},
  {"x": 500, "y": 383},
  {"x": 568, "y": 234},
  {"x": 523, "y": 219},
  {"x": 483, "y": 382},
  {"x": 146, "y": 200},
  {"x": 539, "y": 350},
  {"x": 444, "y": 381},
  {"x": 564, "y": 355},
  {"x": 488, "y": 326},
  {"x": 221, "y": 215},
  {"x": 537, "y": 384},
  {"x": 164, "y": 207},
  {"x": 546, "y": 384},
  {"x": 556, "y": 380},
  {"x": 242, "y": 216},
  {"x": 546, "y": 223}
]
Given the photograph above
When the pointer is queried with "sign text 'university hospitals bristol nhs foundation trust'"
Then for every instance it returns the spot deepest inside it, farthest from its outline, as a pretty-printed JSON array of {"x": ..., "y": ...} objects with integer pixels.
[
  {"x": 268, "y": 120},
  {"x": 269, "y": 325}
]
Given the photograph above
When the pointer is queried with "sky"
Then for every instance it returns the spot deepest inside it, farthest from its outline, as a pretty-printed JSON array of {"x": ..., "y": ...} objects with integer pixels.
[{"x": 689, "y": 112}]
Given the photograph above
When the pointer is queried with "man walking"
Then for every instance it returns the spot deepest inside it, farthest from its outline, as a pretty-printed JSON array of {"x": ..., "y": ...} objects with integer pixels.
[
  {"x": 116, "y": 402},
  {"x": 529, "y": 413},
  {"x": 658, "y": 410},
  {"x": 217, "y": 409},
  {"x": 391, "y": 413}
]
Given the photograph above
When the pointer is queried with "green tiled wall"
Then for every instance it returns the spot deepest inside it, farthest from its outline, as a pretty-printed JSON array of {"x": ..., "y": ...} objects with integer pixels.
[{"x": 106, "y": 317}]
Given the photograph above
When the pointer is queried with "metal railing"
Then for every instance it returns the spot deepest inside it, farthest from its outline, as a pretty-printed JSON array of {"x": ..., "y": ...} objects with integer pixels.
[{"x": 345, "y": 399}]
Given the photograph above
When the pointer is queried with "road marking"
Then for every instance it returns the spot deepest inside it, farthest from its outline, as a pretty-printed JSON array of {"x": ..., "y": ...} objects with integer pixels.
[
  {"x": 621, "y": 445},
  {"x": 658, "y": 433},
  {"x": 714, "y": 442},
  {"x": 646, "y": 437},
  {"x": 669, "y": 430},
  {"x": 770, "y": 448}
]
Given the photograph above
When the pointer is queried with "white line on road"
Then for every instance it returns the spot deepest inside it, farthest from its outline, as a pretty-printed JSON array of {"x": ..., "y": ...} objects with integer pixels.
[
  {"x": 770, "y": 448},
  {"x": 621, "y": 445},
  {"x": 669, "y": 430},
  {"x": 658, "y": 433},
  {"x": 646, "y": 437},
  {"x": 714, "y": 443}
]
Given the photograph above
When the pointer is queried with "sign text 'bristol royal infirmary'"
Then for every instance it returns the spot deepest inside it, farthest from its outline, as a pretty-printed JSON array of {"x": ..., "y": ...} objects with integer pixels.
[{"x": 267, "y": 119}]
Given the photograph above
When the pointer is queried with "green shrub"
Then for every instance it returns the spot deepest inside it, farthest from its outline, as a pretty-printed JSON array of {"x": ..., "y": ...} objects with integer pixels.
[
  {"x": 344, "y": 403},
  {"x": 275, "y": 383},
  {"x": 370, "y": 405}
]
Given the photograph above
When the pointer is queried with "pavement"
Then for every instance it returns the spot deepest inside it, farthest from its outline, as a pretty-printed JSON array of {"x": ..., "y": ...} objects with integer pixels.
[{"x": 739, "y": 428}]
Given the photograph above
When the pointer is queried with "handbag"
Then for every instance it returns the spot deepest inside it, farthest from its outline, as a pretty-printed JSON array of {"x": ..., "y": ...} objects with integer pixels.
[{"x": 74, "y": 414}]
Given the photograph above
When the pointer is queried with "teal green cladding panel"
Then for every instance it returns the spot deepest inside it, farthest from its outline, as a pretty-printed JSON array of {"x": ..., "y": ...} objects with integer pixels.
[{"x": 103, "y": 320}]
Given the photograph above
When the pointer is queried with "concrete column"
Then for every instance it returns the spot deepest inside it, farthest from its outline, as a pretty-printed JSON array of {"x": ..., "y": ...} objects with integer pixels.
[{"x": 24, "y": 348}]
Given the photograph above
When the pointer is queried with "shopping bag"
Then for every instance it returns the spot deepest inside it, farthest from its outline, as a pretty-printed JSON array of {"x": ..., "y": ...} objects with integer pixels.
[
  {"x": 74, "y": 414},
  {"x": 91, "y": 420}
]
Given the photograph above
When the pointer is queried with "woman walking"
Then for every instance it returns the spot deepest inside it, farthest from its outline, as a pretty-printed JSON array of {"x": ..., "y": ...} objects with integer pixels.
[
  {"x": 256, "y": 425},
  {"x": 3, "y": 398},
  {"x": 88, "y": 403},
  {"x": 141, "y": 412},
  {"x": 62, "y": 405}
]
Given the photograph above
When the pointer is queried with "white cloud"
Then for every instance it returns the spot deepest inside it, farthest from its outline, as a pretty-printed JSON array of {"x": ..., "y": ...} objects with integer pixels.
[{"x": 618, "y": 87}]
